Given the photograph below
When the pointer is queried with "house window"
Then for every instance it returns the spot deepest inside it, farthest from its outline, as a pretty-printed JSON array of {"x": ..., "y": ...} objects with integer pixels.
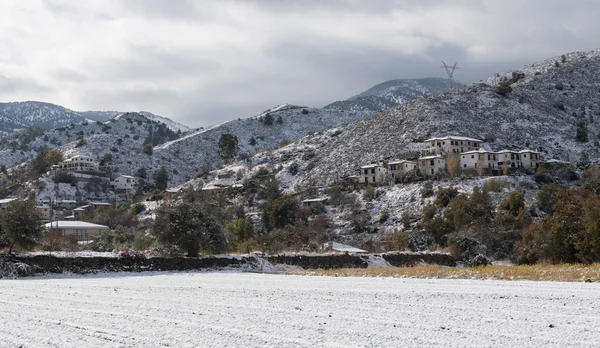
[
  {"x": 372, "y": 170},
  {"x": 464, "y": 165},
  {"x": 524, "y": 156},
  {"x": 80, "y": 234},
  {"x": 431, "y": 162},
  {"x": 472, "y": 156},
  {"x": 431, "y": 170}
]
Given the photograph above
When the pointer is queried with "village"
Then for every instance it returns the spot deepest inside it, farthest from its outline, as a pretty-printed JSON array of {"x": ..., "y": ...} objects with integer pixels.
[
  {"x": 449, "y": 156},
  {"x": 446, "y": 156}
]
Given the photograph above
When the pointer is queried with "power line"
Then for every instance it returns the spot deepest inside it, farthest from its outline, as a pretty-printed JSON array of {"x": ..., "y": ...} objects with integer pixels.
[{"x": 450, "y": 71}]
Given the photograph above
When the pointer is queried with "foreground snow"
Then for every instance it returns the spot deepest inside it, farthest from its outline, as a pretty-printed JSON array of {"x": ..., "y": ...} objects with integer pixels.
[{"x": 242, "y": 309}]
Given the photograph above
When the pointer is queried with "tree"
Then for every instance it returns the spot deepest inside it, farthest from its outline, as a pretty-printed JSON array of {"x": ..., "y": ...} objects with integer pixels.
[
  {"x": 43, "y": 161},
  {"x": 252, "y": 141},
  {"x": 582, "y": 134},
  {"x": 186, "y": 226},
  {"x": 21, "y": 224},
  {"x": 81, "y": 142},
  {"x": 148, "y": 149},
  {"x": 546, "y": 197},
  {"x": 161, "y": 178},
  {"x": 228, "y": 146},
  {"x": 453, "y": 163},
  {"x": 503, "y": 88},
  {"x": 281, "y": 212}
]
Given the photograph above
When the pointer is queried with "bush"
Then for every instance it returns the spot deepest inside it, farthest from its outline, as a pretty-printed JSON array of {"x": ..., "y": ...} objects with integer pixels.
[
  {"x": 582, "y": 133},
  {"x": 384, "y": 215},
  {"x": 546, "y": 197},
  {"x": 427, "y": 190},
  {"x": 252, "y": 141},
  {"x": 369, "y": 193},
  {"x": 148, "y": 150},
  {"x": 64, "y": 177},
  {"x": 399, "y": 241},
  {"x": 503, "y": 88},
  {"x": 293, "y": 168},
  {"x": 444, "y": 196},
  {"x": 559, "y": 86},
  {"x": 494, "y": 185}
]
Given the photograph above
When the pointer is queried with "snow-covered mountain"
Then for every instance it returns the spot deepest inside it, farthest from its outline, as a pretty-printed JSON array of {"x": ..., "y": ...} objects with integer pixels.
[
  {"x": 546, "y": 103},
  {"x": 101, "y": 116},
  {"x": 19, "y": 115},
  {"x": 392, "y": 93},
  {"x": 124, "y": 137}
]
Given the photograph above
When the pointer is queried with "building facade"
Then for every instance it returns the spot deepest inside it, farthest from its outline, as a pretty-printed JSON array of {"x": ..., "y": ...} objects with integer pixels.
[
  {"x": 373, "y": 174},
  {"x": 124, "y": 183},
  {"x": 452, "y": 144}
]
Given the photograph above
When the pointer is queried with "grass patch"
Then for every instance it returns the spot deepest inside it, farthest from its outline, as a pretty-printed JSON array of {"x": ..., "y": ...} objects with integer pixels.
[{"x": 563, "y": 273}]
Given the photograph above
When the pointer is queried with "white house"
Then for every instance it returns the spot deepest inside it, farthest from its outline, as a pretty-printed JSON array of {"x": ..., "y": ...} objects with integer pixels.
[
  {"x": 530, "y": 159},
  {"x": 479, "y": 160},
  {"x": 4, "y": 202},
  {"x": 124, "y": 183},
  {"x": 83, "y": 231},
  {"x": 397, "y": 169},
  {"x": 452, "y": 144},
  {"x": 373, "y": 173},
  {"x": 432, "y": 165},
  {"x": 78, "y": 163}
]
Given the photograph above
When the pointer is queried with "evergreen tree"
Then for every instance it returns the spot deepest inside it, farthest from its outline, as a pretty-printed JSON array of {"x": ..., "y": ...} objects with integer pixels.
[{"x": 582, "y": 133}]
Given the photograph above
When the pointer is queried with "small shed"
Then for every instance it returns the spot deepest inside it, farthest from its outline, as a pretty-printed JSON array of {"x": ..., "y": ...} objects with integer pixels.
[
  {"x": 342, "y": 248},
  {"x": 314, "y": 201}
]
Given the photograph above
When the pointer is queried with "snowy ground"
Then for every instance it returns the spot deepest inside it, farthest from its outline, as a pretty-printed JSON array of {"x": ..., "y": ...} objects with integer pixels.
[{"x": 251, "y": 310}]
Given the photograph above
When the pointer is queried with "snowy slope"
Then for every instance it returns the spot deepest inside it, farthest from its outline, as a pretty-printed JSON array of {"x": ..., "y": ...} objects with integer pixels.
[
  {"x": 541, "y": 113},
  {"x": 18, "y": 115},
  {"x": 193, "y": 309},
  {"x": 392, "y": 93}
]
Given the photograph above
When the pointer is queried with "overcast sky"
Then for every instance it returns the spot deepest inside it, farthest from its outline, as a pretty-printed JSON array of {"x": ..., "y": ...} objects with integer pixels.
[{"x": 201, "y": 62}]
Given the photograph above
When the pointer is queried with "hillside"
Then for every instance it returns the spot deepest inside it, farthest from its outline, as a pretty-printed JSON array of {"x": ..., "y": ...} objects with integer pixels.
[
  {"x": 19, "y": 115},
  {"x": 542, "y": 111},
  {"x": 392, "y": 93}
]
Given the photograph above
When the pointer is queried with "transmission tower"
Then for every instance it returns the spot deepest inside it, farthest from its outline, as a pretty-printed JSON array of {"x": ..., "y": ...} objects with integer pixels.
[{"x": 450, "y": 71}]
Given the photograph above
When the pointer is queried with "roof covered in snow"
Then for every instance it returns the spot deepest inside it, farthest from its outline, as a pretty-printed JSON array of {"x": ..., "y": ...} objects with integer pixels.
[
  {"x": 74, "y": 224},
  {"x": 451, "y": 137},
  {"x": 335, "y": 246}
]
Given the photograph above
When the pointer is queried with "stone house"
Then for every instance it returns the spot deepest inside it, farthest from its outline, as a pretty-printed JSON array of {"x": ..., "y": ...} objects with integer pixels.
[
  {"x": 373, "y": 174},
  {"x": 432, "y": 165},
  {"x": 452, "y": 144},
  {"x": 78, "y": 163},
  {"x": 124, "y": 183},
  {"x": 397, "y": 169}
]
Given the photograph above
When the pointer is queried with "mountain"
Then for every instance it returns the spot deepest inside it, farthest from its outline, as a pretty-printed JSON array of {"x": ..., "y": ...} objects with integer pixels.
[
  {"x": 19, "y": 115},
  {"x": 124, "y": 138},
  {"x": 392, "y": 93},
  {"x": 101, "y": 116},
  {"x": 540, "y": 106}
]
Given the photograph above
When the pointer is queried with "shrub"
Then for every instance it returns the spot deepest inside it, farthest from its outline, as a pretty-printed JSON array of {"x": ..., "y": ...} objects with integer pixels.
[
  {"x": 560, "y": 107},
  {"x": 444, "y": 196},
  {"x": 369, "y": 193},
  {"x": 252, "y": 141},
  {"x": 81, "y": 142},
  {"x": 427, "y": 190},
  {"x": 559, "y": 86},
  {"x": 148, "y": 149},
  {"x": 136, "y": 137},
  {"x": 494, "y": 185},
  {"x": 406, "y": 220},
  {"x": 64, "y": 177},
  {"x": 399, "y": 241},
  {"x": 503, "y": 88},
  {"x": 582, "y": 133},
  {"x": 384, "y": 215},
  {"x": 293, "y": 168},
  {"x": 304, "y": 112},
  {"x": 563, "y": 58}
]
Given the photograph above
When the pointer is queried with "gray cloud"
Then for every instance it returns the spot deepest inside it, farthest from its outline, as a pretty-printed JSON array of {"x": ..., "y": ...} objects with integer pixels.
[{"x": 202, "y": 62}]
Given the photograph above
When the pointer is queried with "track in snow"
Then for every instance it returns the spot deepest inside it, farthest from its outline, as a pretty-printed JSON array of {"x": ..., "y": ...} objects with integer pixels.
[{"x": 241, "y": 309}]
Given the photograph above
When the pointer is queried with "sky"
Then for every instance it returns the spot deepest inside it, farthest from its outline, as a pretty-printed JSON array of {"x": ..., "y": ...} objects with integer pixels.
[{"x": 203, "y": 62}]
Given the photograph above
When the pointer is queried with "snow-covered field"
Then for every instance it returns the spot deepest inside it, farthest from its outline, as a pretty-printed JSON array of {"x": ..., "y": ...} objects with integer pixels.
[{"x": 256, "y": 310}]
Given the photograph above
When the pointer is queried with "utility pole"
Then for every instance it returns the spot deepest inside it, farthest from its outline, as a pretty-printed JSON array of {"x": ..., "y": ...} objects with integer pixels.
[{"x": 450, "y": 71}]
